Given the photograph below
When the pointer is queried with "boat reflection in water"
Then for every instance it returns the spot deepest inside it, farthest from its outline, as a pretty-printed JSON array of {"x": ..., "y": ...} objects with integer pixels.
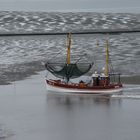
[{"x": 71, "y": 99}]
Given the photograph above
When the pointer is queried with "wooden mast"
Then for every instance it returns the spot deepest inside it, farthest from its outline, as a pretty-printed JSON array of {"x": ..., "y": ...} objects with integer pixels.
[
  {"x": 68, "y": 48},
  {"x": 107, "y": 59}
]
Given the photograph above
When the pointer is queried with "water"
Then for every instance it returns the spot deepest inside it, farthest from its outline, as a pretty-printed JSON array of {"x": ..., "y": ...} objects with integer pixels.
[
  {"x": 28, "y": 111},
  {"x": 23, "y": 56}
]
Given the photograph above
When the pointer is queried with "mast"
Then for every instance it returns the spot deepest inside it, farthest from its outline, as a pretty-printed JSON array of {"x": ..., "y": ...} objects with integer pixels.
[
  {"x": 107, "y": 59},
  {"x": 68, "y": 48}
]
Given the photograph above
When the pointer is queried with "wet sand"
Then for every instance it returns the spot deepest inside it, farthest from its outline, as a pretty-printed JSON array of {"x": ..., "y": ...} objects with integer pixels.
[{"x": 28, "y": 112}]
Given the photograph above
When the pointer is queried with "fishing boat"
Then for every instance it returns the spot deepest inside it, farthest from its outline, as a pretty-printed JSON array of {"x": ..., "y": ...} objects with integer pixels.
[{"x": 99, "y": 83}]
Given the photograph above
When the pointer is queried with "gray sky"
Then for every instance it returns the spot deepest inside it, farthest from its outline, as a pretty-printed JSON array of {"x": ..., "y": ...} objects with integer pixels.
[{"x": 131, "y": 6}]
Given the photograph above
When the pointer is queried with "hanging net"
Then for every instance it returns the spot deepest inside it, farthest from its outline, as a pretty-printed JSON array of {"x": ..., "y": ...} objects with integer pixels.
[{"x": 73, "y": 70}]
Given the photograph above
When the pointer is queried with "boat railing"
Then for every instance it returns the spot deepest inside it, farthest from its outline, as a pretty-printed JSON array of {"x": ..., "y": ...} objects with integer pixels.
[{"x": 115, "y": 78}]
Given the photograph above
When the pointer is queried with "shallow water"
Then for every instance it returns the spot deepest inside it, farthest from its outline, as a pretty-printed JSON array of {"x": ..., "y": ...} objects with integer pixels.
[
  {"x": 22, "y": 56},
  {"x": 29, "y": 112}
]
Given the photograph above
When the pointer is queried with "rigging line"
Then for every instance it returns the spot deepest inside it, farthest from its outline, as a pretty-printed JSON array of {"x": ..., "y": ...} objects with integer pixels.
[
  {"x": 111, "y": 68},
  {"x": 86, "y": 58},
  {"x": 95, "y": 64},
  {"x": 53, "y": 57},
  {"x": 110, "y": 63},
  {"x": 80, "y": 58}
]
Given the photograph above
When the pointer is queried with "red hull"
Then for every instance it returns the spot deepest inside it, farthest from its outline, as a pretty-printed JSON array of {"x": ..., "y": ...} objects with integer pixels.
[{"x": 77, "y": 86}]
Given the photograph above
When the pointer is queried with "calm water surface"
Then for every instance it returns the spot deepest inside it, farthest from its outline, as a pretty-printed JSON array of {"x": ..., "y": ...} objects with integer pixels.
[{"x": 28, "y": 112}]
